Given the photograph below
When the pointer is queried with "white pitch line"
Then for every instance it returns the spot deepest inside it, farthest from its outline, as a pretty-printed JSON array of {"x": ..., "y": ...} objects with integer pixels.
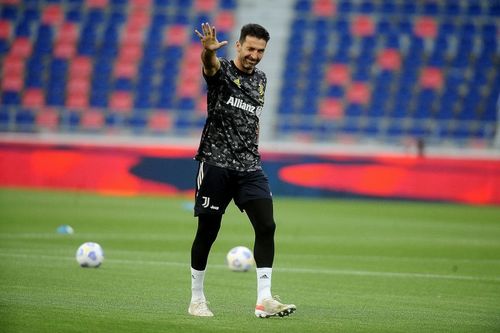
[{"x": 325, "y": 271}]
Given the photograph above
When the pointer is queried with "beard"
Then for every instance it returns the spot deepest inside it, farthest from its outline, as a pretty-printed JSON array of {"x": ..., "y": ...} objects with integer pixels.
[{"x": 249, "y": 64}]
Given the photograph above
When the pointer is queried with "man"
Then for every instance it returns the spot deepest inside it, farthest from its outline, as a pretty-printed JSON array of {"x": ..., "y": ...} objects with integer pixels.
[{"x": 229, "y": 162}]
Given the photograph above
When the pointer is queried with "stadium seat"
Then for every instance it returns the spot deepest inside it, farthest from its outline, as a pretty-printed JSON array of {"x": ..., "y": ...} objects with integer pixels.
[
  {"x": 97, "y": 3},
  {"x": 33, "y": 98},
  {"x": 331, "y": 108},
  {"x": 52, "y": 15},
  {"x": 12, "y": 82},
  {"x": 389, "y": 59},
  {"x": 47, "y": 119},
  {"x": 359, "y": 93},
  {"x": 324, "y": 8},
  {"x": 64, "y": 50},
  {"x": 125, "y": 69},
  {"x": 431, "y": 77},
  {"x": 224, "y": 21},
  {"x": 338, "y": 74},
  {"x": 77, "y": 99},
  {"x": 25, "y": 120},
  {"x": 159, "y": 122},
  {"x": 426, "y": 27},
  {"x": 92, "y": 120},
  {"x": 21, "y": 47},
  {"x": 207, "y": 6},
  {"x": 176, "y": 35},
  {"x": 121, "y": 101}
]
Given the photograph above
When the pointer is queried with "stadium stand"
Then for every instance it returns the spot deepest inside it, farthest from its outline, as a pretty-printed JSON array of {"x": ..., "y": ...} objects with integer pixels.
[
  {"x": 104, "y": 66},
  {"x": 392, "y": 70},
  {"x": 354, "y": 71}
]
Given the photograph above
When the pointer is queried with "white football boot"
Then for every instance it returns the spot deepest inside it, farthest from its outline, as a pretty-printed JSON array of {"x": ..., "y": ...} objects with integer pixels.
[
  {"x": 271, "y": 307},
  {"x": 200, "y": 309}
]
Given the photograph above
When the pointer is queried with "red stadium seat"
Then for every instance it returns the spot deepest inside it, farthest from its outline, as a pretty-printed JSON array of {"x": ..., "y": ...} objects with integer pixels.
[
  {"x": 130, "y": 51},
  {"x": 77, "y": 100},
  {"x": 201, "y": 104},
  {"x": 331, "y": 108},
  {"x": 11, "y": 2},
  {"x": 139, "y": 18},
  {"x": 21, "y": 47},
  {"x": 121, "y": 101},
  {"x": 205, "y": 6},
  {"x": 78, "y": 85},
  {"x": 389, "y": 59},
  {"x": 192, "y": 54},
  {"x": 13, "y": 65},
  {"x": 133, "y": 34},
  {"x": 425, "y": 27},
  {"x": 362, "y": 26},
  {"x": 359, "y": 93},
  {"x": 190, "y": 69},
  {"x": 92, "y": 120},
  {"x": 80, "y": 67},
  {"x": 97, "y": 3},
  {"x": 140, "y": 3},
  {"x": 12, "y": 82},
  {"x": 224, "y": 21},
  {"x": 33, "y": 97},
  {"x": 188, "y": 88},
  {"x": 52, "y": 15},
  {"x": 68, "y": 33},
  {"x": 5, "y": 29},
  {"x": 159, "y": 121},
  {"x": 324, "y": 8},
  {"x": 176, "y": 35},
  {"x": 338, "y": 74},
  {"x": 64, "y": 50},
  {"x": 47, "y": 119},
  {"x": 431, "y": 77},
  {"x": 125, "y": 69}
]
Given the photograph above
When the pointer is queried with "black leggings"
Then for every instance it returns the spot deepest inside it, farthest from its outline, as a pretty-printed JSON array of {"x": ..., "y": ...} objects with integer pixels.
[{"x": 260, "y": 213}]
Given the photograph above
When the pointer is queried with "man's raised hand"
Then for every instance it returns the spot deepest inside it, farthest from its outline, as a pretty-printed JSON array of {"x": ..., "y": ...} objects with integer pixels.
[{"x": 209, "y": 37}]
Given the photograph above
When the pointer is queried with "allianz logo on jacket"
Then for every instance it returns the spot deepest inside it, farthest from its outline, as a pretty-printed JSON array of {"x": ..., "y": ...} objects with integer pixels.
[{"x": 238, "y": 103}]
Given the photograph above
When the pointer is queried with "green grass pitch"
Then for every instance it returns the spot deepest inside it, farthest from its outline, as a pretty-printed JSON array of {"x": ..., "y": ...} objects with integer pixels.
[{"x": 348, "y": 265}]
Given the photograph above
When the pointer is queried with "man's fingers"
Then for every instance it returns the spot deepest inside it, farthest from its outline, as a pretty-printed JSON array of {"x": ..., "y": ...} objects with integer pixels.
[
  {"x": 208, "y": 32},
  {"x": 206, "y": 29}
]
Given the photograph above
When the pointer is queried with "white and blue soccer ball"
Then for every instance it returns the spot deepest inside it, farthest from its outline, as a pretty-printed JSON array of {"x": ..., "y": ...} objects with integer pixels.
[
  {"x": 90, "y": 254},
  {"x": 240, "y": 259}
]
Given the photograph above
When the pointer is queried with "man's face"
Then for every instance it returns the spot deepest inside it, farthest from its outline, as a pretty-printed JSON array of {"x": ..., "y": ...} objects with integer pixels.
[{"x": 250, "y": 52}]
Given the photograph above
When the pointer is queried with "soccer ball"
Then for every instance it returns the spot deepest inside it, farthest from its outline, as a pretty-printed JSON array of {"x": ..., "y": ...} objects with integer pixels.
[
  {"x": 240, "y": 259},
  {"x": 90, "y": 254}
]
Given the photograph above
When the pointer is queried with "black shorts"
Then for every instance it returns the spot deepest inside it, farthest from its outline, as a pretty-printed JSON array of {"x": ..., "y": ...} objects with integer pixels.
[{"x": 215, "y": 187}]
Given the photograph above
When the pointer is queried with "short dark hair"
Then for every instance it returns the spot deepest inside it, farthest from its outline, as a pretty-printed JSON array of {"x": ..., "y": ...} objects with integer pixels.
[{"x": 254, "y": 30}]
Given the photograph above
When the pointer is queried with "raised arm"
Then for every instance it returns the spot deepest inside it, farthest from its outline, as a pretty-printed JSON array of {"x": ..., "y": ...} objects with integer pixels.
[{"x": 210, "y": 44}]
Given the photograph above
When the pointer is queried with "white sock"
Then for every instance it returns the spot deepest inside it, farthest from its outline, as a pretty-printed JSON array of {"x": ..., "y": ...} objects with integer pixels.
[
  {"x": 264, "y": 275},
  {"x": 197, "y": 278}
]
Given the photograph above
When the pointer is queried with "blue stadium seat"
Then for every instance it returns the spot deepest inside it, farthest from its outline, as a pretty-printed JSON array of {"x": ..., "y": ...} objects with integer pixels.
[
  {"x": 302, "y": 6},
  {"x": 452, "y": 8},
  {"x": 5, "y": 119},
  {"x": 228, "y": 4},
  {"x": 137, "y": 123},
  {"x": 367, "y": 7},
  {"x": 11, "y": 98},
  {"x": 388, "y": 7},
  {"x": 430, "y": 8},
  {"x": 25, "y": 120},
  {"x": 345, "y": 6}
]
